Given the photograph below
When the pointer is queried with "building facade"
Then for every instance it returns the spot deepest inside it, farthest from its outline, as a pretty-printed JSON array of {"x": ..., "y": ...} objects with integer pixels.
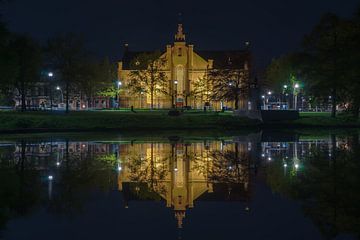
[{"x": 184, "y": 66}]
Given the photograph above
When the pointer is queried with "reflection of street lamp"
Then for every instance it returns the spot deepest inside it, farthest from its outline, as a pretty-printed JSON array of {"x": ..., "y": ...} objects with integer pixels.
[{"x": 50, "y": 178}]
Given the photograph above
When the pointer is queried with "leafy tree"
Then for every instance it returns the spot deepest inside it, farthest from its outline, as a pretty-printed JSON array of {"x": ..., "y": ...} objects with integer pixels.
[
  {"x": 352, "y": 51},
  {"x": 98, "y": 80},
  {"x": 67, "y": 53},
  {"x": 27, "y": 58},
  {"x": 148, "y": 75},
  {"x": 325, "y": 62},
  {"x": 229, "y": 85},
  {"x": 282, "y": 71},
  {"x": 202, "y": 89},
  {"x": 8, "y": 67}
]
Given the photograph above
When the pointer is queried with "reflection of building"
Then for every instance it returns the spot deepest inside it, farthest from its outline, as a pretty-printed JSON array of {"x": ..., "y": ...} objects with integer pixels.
[
  {"x": 182, "y": 173},
  {"x": 184, "y": 66}
]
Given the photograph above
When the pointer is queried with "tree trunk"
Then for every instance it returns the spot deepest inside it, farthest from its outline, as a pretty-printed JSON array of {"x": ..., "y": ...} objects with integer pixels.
[
  {"x": 152, "y": 99},
  {"x": 67, "y": 97},
  {"x": 333, "y": 103},
  {"x": 355, "y": 109},
  {"x": 23, "y": 97},
  {"x": 237, "y": 102}
]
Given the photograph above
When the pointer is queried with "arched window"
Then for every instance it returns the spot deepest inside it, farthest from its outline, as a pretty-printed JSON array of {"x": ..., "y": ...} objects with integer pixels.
[{"x": 180, "y": 73}]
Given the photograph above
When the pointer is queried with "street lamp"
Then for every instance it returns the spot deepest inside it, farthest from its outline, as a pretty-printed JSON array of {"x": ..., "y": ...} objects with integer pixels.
[
  {"x": 283, "y": 99},
  {"x": 119, "y": 83},
  {"x": 51, "y": 75},
  {"x": 175, "y": 93},
  {"x": 62, "y": 95},
  {"x": 296, "y": 86}
]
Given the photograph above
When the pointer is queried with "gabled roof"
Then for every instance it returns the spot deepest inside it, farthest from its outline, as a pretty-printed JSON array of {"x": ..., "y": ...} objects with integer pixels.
[
  {"x": 129, "y": 56},
  {"x": 227, "y": 58},
  {"x": 222, "y": 59}
]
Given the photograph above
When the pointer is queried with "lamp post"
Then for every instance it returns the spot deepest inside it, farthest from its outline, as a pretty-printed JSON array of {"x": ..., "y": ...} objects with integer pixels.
[
  {"x": 175, "y": 92},
  {"x": 263, "y": 98},
  {"x": 141, "y": 99},
  {"x": 285, "y": 87},
  {"x": 268, "y": 99},
  {"x": 51, "y": 75},
  {"x": 118, "y": 83},
  {"x": 296, "y": 87},
  {"x": 62, "y": 95}
]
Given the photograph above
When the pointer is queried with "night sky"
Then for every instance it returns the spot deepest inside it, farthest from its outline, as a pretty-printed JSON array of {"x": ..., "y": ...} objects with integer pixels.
[{"x": 273, "y": 27}]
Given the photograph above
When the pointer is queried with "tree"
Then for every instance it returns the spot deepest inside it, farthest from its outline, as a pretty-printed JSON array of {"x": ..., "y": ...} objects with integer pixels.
[
  {"x": 352, "y": 93},
  {"x": 27, "y": 59},
  {"x": 8, "y": 66},
  {"x": 201, "y": 89},
  {"x": 282, "y": 71},
  {"x": 149, "y": 76},
  {"x": 325, "y": 62},
  {"x": 67, "y": 53},
  {"x": 98, "y": 80},
  {"x": 229, "y": 85}
]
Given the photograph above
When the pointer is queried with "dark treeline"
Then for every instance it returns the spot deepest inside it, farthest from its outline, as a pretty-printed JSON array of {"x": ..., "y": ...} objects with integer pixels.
[
  {"x": 63, "y": 62},
  {"x": 327, "y": 66}
]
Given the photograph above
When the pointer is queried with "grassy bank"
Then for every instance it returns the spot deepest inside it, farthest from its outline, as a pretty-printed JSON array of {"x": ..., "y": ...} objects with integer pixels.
[
  {"x": 122, "y": 120},
  {"x": 154, "y": 120}
]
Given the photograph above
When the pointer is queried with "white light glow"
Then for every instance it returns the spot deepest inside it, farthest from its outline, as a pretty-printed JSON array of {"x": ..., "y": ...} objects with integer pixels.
[{"x": 50, "y": 177}]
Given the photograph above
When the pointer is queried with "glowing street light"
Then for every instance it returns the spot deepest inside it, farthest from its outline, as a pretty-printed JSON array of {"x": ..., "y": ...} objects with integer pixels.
[
  {"x": 285, "y": 86},
  {"x": 62, "y": 95},
  {"x": 269, "y": 92},
  {"x": 50, "y": 177},
  {"x": 50, "y": 74}
]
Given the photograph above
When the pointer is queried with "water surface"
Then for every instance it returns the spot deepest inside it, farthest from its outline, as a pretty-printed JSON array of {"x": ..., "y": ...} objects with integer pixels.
[{"x": 261, "y": 185}]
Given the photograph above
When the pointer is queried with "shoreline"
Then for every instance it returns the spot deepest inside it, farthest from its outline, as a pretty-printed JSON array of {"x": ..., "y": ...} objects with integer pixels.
[{"x": 47, "y": 122}]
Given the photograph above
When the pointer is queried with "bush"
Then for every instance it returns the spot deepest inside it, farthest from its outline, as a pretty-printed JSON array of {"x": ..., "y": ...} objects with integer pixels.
[{"x": 174, "y": 113}]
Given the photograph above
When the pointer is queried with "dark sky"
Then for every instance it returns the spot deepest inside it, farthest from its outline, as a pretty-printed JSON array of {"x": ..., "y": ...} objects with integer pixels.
[{"x": 272, "y": 26}]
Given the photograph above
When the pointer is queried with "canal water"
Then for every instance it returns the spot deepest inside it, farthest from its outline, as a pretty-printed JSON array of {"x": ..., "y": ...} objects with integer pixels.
[{"x": 257, "y": 185}]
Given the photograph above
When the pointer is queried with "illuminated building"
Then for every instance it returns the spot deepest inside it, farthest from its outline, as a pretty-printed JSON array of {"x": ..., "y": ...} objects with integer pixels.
[{"x": 184, "y": 66}]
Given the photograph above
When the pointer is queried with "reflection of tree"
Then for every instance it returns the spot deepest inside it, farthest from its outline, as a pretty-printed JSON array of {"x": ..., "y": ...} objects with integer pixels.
[
  {"x": 328, "y": 189},
  {"x": 79, "y": 176},
  {"x": 19, "y": 184},
  {"x": 228, "y": 166},
  {"x": 148, "y": 171}
]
